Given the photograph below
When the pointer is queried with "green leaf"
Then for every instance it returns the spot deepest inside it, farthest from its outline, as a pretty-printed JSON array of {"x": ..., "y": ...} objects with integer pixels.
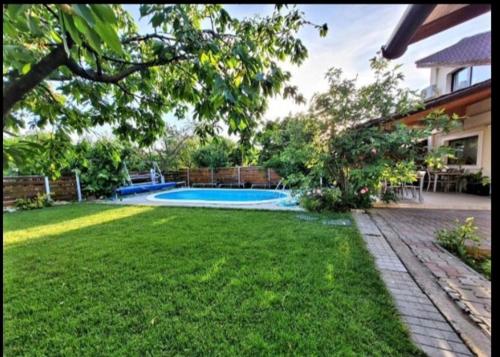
[
  {"x": 84, "y": 12},
  {"x": 34, "y": 27},
  {"x": 109, "y": 36},
  {"x": 104, "y": 12},
  {"x": 14, "y": 9},
  {"x": 70, "y": 27},
  {"x": 92, "y": 37},
  {"x": 8, "y": 29},
  {"x": 61, "y": 22},
  {"x": 238, "y": 80},
  {"x": 242, "y": 125},
  {"x": 26, "y": 68},
  {"x": 204, "y": 58},
  {"x": 232, "y": 124},
  {"x": 158, "y": 19}
]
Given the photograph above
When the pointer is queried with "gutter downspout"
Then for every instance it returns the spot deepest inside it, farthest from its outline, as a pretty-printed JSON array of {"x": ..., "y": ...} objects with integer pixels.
[{"x": 412, "y": 19}]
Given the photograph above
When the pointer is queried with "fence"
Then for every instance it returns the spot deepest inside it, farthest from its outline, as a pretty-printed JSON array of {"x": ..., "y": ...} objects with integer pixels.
[
  {"x": 245, "y": 176},
  {"x": 67, "y": 188}
]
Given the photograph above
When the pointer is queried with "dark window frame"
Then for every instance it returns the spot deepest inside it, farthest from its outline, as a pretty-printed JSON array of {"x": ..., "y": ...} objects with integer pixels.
[
  {"x": 454, "y": 74},
  {"x": 453, "y": 161}
]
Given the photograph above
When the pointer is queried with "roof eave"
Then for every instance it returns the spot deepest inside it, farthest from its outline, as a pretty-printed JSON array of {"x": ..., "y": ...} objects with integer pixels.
[
  {"x": 432, "y": 103},
  {"x": 413, "y": 18}
]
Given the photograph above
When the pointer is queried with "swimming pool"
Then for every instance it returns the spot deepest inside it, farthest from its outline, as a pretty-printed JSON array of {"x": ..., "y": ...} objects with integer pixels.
[{"x": 220, "y": 196}]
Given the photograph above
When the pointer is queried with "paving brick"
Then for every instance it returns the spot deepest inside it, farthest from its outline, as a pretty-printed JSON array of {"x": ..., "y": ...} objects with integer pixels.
[
  {"x": 417, "y": 228},
  {"x": 428, "y": 328},
  {"x": 428, "y": 323}
]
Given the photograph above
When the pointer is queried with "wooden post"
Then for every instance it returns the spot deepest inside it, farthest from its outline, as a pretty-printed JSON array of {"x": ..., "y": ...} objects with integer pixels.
[
  {"x": 47, "y": 187},
  {"x": 78, "y": 189},
  {"x": 212, "y": 170},
  {"x": 187, "y": 177},
  {"x": 239, "y": 176},
  {"x": 269, "y": 177}
]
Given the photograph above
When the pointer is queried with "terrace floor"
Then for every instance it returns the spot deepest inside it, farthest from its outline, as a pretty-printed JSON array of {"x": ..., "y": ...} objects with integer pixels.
[{"x": 442, "y": 200}]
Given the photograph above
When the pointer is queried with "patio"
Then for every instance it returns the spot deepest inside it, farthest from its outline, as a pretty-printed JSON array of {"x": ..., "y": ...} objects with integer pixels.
[{"x": 443, "y": 200}]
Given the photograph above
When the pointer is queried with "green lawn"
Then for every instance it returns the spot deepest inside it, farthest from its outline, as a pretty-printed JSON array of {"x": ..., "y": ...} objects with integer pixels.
[{"x": 121, "y": 280}]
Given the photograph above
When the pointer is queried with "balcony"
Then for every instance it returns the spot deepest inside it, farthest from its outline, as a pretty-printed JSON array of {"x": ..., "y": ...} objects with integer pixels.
[{"x": 429, "y": 92}]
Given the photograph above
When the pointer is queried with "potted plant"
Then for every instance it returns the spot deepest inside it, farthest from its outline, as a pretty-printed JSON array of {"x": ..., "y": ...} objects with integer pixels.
[
  {"x": 477, "y": 184},
  {"x": 437, "y": 157}
]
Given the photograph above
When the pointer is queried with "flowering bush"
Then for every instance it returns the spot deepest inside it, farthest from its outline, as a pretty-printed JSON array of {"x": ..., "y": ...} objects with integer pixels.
[{"x": 321, "y": 199}]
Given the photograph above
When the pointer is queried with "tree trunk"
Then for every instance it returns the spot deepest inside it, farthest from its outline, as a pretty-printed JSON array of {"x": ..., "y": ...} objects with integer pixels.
[{"x": 16, "y": 90}]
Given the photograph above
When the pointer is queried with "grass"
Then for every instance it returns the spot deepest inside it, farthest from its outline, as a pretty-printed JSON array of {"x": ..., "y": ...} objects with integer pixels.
[{"x": 94, "y": 279}]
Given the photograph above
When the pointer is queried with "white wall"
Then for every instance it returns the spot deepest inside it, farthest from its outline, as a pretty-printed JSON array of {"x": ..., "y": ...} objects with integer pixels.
[
  {"x": 477, "y": 122},
  {"x": 441, "y": 78}
]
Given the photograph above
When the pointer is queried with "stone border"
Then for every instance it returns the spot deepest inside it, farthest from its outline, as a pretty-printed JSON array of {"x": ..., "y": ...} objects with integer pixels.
[{"x": 428, "y": 328}]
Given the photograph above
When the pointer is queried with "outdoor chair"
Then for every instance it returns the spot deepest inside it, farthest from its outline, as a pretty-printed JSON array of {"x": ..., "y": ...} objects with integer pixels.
[
  {"x": 440, "y": 180},
  {"x": 204, "y": 184},
  {"x": 454, "y": 180},
  {"x": 231, "y": 184},
  {"x": 260, "y": 185},
  {"x": 412, "y": 190}
]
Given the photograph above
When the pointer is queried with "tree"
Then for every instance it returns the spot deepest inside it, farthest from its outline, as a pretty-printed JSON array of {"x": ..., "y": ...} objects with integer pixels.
[
  {"x": 174, "y": 147},
  {"x": 291, "y": 146},
  {"x": 219, "y": 152},
  {"x": 43, "y": 153},
  {"x": 78, "y": 66},
  {"x": 360, "y": 156}
]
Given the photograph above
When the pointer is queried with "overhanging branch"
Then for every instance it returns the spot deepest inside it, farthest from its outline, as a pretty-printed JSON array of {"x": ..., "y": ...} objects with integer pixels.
[{"x": 115, "y": 78}]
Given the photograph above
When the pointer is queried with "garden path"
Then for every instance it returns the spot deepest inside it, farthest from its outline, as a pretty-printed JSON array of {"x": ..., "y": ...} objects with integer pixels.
[{"x": 470, "y": 291}]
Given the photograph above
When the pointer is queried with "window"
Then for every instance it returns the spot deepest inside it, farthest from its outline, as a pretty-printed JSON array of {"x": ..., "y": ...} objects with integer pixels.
[
  {"x": 480, "y": 73},
  {"x": 465, "y": 77},
  {"x": 465, "y": 150},
  {"x": 461, "y": 79}
]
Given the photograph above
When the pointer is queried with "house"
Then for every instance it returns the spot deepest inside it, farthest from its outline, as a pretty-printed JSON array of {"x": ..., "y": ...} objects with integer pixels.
[{"x": 460, "y": 81}]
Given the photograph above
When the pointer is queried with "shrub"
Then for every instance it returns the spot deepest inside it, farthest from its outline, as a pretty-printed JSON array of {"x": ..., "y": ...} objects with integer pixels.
[
  {"x": 38, "y": 201},
  {"x": 318, "y": 200},
  {"x": 101, "y": 170},
  {"x": 454, "y": 241},
  {"x": 486, "y": 267}
]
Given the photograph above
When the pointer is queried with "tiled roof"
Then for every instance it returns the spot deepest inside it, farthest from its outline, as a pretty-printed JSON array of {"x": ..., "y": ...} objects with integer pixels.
[{"x": 470, "y": 51}]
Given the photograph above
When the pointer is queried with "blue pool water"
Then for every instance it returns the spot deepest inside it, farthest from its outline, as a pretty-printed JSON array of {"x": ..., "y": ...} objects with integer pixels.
[{"x": 221, "y": 195}]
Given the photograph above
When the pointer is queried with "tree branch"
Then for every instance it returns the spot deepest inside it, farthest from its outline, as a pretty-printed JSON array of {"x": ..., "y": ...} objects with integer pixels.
[
  {"x": 16, "y": 90},
  {"x": 148, "y": 37},
  {"x": 115, "y": 78}
]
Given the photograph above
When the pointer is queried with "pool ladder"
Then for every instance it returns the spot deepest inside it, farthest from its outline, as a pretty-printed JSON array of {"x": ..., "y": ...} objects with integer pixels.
[{"x": 283, "y": 186}]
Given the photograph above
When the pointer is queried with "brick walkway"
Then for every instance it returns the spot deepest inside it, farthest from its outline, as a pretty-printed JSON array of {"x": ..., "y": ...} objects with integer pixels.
[
  {"x": 417, "y": 229},
  {"x": 428, "y": 328}
]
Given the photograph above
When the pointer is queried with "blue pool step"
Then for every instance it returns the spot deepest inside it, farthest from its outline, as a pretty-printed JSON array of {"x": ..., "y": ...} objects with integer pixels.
[{"x": 127, "y": 190}]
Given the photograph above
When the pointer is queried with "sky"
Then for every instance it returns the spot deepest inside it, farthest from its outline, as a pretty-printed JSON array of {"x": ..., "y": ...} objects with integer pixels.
[{"x": 356, "y": 33}]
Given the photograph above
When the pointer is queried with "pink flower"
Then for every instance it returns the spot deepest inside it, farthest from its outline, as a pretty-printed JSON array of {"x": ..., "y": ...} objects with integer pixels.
[
  {"x": 374, "y": 151},
  {"x": 364, "y": 190}
]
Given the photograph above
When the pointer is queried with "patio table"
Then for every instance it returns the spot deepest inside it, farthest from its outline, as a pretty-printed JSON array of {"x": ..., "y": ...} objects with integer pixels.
[{"x": 448, "y": 175}]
